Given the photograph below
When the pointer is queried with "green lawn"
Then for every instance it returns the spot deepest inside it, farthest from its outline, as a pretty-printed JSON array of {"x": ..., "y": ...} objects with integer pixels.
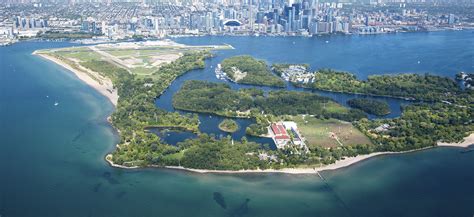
[
  {"x": 177, "y": 155},
  {"x": 318, "y": 132},
  {"x": 80, "y": 54},
  {"x": 122, "y": 52},
  {"x": 147, "y": 54},
  {"x": 142, "y": 71},
  {"x": 334, "y": 107}
]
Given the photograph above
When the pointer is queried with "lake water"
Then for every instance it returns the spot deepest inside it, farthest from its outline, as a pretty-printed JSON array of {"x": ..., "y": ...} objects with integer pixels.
[{"x": 51, "y": 157}]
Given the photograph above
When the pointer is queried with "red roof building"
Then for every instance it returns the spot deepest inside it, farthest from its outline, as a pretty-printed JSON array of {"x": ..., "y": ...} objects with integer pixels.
[
  {"x": 279, "y": 130},
  {"x": 285, "y": 137}
]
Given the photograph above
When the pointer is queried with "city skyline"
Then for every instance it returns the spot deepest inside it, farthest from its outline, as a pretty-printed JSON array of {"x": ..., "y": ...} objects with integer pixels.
[{"x": 303, "y": 18}]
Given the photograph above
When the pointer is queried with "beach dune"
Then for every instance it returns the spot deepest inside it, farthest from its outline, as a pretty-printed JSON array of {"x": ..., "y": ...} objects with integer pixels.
[
  {"x": 468, "y": 141},
  {"x": 104, "y": 87}
]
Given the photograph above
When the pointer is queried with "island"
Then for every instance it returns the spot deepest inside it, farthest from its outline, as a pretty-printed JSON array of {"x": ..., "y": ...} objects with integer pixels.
[
  {"x": 375, "y": 107},
  {"x": 228, "y": 125},
  {"x": 419, "y": 126},
  {"x": 248, "y": 70},
  {"x": 311, "y": 132},
  {"x": 220, "y": 99},
  {"x": 424, "y": 87},
  {"x": 407, "y": 86}
]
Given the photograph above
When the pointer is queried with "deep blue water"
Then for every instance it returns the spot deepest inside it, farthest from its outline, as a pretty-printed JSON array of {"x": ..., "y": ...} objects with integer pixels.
[{"x": 51, "y": 157}]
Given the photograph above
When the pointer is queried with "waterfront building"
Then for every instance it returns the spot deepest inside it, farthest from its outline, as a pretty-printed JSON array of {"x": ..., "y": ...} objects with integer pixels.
[
  {"x": 276, "y": 17},
  {"x": 280, "y": 136},
  {"x": 451, "y": 19}
]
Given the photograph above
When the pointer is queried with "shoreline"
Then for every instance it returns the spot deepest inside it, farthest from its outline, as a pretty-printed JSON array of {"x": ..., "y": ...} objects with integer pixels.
[
  {"x": 348, "y": 161},
  {"x": 106, "y": 89},
  {"x": 468, "y": 141},
  {"x": 437, "y": 29}
]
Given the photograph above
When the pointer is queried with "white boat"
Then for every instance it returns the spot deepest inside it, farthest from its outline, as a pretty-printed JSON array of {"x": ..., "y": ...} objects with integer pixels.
[
  {"x": 56, "y": 103},
  {"x": 219, "y": 73}
]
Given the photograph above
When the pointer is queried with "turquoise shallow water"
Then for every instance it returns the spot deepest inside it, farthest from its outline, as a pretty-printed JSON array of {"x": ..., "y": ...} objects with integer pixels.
[{"x": 51, "y": 157}]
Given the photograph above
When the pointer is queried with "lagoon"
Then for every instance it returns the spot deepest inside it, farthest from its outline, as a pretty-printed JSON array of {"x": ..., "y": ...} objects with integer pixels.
[{"x": 52, "y": 157}]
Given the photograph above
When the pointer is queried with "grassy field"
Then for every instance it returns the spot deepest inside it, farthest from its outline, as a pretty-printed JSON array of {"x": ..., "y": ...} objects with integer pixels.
[
  {"x": 138, "y": 59},
  {"x": 79, "y": 53},
  {"x": 318, "y": 132},
  {"x": 334, "y": 107},
  {"x": 177, "y": 156}
]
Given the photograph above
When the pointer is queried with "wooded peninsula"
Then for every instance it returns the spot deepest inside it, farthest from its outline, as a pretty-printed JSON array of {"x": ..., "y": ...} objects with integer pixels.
[
  {"x": 425, "y": 87},
  {"x": 248, "y": 70},
  {"x": 375, "y": 107},
  {"x": 444, "y": 113}
]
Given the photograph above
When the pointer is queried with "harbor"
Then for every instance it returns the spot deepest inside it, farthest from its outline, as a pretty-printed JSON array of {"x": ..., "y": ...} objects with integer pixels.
[{"x": 220, "y": 74}]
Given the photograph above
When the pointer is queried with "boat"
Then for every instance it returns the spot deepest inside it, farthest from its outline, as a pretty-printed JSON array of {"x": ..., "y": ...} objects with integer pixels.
[
  {"x": 56, "y": 103},
  {"x": 219, "y": 73}
]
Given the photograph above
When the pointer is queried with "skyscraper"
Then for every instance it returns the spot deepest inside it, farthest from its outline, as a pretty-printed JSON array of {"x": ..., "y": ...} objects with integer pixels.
[{"x": 451, "y": 19}]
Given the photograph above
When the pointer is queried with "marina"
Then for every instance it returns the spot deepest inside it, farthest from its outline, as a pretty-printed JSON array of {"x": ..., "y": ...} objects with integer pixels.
[{"x": 221, "y": 75}]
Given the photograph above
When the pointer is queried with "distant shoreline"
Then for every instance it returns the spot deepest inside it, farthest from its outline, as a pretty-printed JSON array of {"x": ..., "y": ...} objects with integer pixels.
[{"x": 439, "y": 29}]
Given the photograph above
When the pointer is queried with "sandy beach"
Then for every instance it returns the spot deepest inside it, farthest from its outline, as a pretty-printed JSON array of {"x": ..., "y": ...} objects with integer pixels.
[
  {"x": 468, "y": 141},
  {"x": 348, "y": 161},
  {"x": 339, "y": 164},
  {"x": 106, "y": 88}
]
